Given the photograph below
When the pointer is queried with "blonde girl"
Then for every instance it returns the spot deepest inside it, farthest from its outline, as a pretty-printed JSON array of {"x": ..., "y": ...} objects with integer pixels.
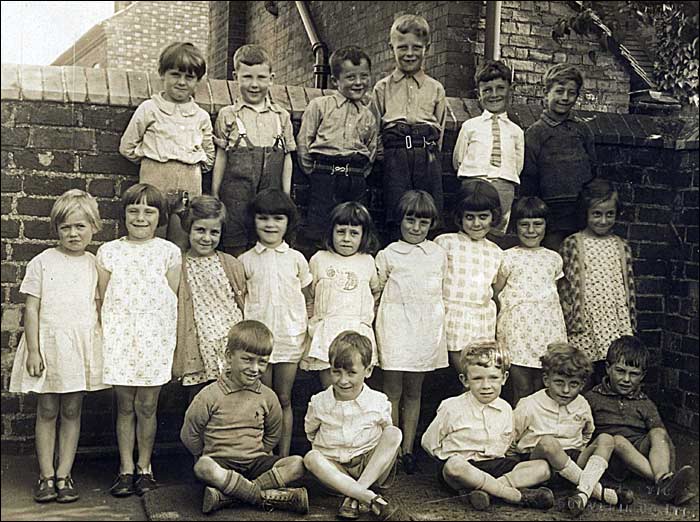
[{"x": 60, "y": 354}]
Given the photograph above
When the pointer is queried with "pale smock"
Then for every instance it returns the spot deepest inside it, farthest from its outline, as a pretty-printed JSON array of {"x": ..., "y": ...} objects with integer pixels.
[
  {"x": 139, "y": 312},
  {"x": 530, "y": 317},
  {"x": 342, "y": 288},
  {"x": 70, "y": 340},
  {"x": 274, "y": 278},
  {"x": 411, "y": 317},
  {"x": 472, "y": 267}
]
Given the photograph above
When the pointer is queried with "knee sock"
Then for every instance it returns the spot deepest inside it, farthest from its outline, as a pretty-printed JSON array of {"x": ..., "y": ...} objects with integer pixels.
[
  {"x": 498, "y": 488},
  {"x": 241, "y": 488},
  {"x": 595, "y": 467},
  {"x": 271, "y": 479},
  {"x": 573, "y": 473}
]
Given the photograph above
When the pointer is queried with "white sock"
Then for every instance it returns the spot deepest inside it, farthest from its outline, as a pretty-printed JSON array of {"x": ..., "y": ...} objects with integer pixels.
[{"x": 595, "y": 467}]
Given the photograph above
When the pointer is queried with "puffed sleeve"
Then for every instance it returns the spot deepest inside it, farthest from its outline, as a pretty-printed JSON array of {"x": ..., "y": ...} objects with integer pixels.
[
  {"x": 31, "y": 284},
  {"x": 311, "y": 421},
  {"x": 383, "y": 268},
  {"x": 303, "y": 271}
]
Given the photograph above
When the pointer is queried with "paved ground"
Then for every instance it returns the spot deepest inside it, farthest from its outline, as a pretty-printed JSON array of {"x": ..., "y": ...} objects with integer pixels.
[{"x": 420, "y": 493}]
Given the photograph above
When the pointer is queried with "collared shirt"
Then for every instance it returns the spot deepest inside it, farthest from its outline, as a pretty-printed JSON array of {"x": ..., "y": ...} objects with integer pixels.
[
  {"x": 342, "y": 430},
  {"x": 472, "y": 152},
  {"x": 538, "y": 415},
  {"x": 336, "y": 126},
  {"x": 629, "y": 416},
  {"x": 162, "y": 131},
  {"x": 226, "y": 420},
  {"x": 410, "y": 99},
  {"x": 261, "y": 126},
  {"x": 464, "y": 426}
]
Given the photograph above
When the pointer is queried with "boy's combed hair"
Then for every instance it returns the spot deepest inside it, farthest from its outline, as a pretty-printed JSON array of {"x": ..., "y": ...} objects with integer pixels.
[
  {"x": 351, "y": 53},
  {"x": 182, "y": 56},
  {"x": 345, "y": 346},
  {"x": 250, "y": 336},
  {"x": 203, "y": 207},
  {"x": 596, "y": 191},
  {"x": 275, "y": 201},
  {"x": 354, "y": 214},
  {"x": 251, "y": 54},
  {"x": 628, "y": 350},
  {"x": 74, "y": 200},
  {"x": 477, "y": 195},
  {"x": 484, "y": 353},
  {"x": 420, "y": 204},
  {"x": 143, "y": 193},
  {"x": 414, "y": 24},
  {"x": 560, "y": 73},
  {"x": 529, "y": 207},
  {"x": 564, "y": 359},
  {"x": 492, "y": 70}
]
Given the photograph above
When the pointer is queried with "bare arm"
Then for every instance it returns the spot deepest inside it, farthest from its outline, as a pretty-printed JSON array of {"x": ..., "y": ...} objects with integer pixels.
[
  {"x": 173, "y": 277},
  {"x": 103, "y": 277},
  {"x": 35, "y": 365},
  {"x": 287, "y": 174},
  {"x": 218, "y": 174}
]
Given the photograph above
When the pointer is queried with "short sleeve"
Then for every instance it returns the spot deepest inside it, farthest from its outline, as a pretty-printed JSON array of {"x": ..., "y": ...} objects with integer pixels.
[
  {"x": 652, "y": 419},
  {"x": 504, "y": 268},
  {"x": 373, "y": 279},
  {"x": 383, "y": 269},
  {"x": 558, "y": 266},
  {"x": 303, "y": 270},
  {"x": 288, "y": 132},
  {"x": 385, "y": 412},
  {"x": 104, "y": 258},
  {"x": 174, "y": 256},
  {"x": 222, "y": 127},
  {"x": 31, "y": 284}
]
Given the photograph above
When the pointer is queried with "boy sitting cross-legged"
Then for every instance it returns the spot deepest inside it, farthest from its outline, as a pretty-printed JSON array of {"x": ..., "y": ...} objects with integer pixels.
[
  {"x": 232, "y": 426},
  {"x": 471, "y": 433},
  {"x": 623, "y": 411}
]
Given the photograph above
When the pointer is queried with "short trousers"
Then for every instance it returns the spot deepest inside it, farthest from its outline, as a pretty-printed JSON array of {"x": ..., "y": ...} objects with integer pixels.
[
  {"x": 494, "y": 467},
  {"x": 357, "y": 465},
  {"x": 573, "y": 454},
  {"x": 253, "y": 469}
]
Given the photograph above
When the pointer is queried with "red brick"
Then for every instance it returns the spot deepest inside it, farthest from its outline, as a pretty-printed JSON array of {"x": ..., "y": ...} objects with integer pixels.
[
  {"x": 108, "y": 141},
  {"x": 15, "y": 136},
  {"x": 62, "y": 139},
  {"x": 8, "y": 273},
  {"x": 108, "y": 164},
  {"x": 35, "y": 206},
  {"x": 27, "y": 251},
  {"x": 113, "y": 119},
  {"x": 6, "y": 204},
  {"x": 110, "y": 209},
  {"x": 104, "y": 188},
  {"x": 38, "y": 230},
  {"x": 45, "y": 113},
  {"x": 9, "y": 228},
  {"x": 51, "y": 185}
]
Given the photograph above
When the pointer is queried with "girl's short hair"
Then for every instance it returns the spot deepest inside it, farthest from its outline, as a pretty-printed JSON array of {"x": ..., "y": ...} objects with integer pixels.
[
  {"x": 251, "y": 54},
  {"x": 143, "y": 193},
  {"x": 74, "y": 200},
  {"x": 484, "y": 352},
  {"x": 275, "y": 201},
  {"x": 560, "y": 73},
  {"x": 182, "y": 56},
  {"x": 351, "y": 53},
  {"x": 492, "y": 70},
  {"x": 420, "y": 204},
  {"x": 628, "y": 350},
  {"x": 203, "y": 207},
  {"x": 596, "y": 191},
  {"x": 250, "y": 336},
  {"x": 565, "y": 359},
  {"x": 354, "y": 214},
  {"x": 346, "y": 344},
  {"x": 477, "y": 195},
  {"x": 411, "y": 23},
  {"x": 529, "y": 207}
]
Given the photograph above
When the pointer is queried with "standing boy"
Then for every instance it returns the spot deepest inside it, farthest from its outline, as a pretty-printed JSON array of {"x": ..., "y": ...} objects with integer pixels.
[
  {"x": 254, "y": 140},
  {"x": 490, "y": 146},
  {"x": 411, "y": 110}
]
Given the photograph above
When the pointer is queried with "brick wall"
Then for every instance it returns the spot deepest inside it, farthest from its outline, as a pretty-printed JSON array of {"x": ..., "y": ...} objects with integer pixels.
[
  {"x": 226, "y": 34},
  {"x": 61, "y": 129}
]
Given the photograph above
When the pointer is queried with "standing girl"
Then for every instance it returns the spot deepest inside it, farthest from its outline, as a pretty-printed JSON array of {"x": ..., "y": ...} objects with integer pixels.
[
  {"x": 345, "y": 285},
  {"x": 170, "y": 136},
  {"x": 597, "y": 291},
  {"x": 59, "y": 357},
  {"x": 210, "y": 297},
  {"x": 138, "y": 279},
  {"x": 530, "y": 316},
  {"x": 472, "y": 267},
  {"x": 411, "y": 315},
  {"x": 278, "y": 280}
]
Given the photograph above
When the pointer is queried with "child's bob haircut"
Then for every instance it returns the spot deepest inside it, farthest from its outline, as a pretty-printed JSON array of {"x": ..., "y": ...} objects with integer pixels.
[
  {"x": 250, "y": 336},
  {"x": 529, "y": 207},
  {"x": 182, "y": 56},
  {"x": 143, "y": 193},
  {"x": 411, "y": 23},
  {"x": 75, "y": 200},
  {"x": 420, "y": 204},
  {"x": 203, "y": 207},
  {"x": 596, "y": 191},
  {"x": 275, "y": 201},
  {"x": 346, "y": 344},
  {"x": 564, "y": 359},
  {"x": 484, "y": 352},
  {"x": 560, "y": 73},
  {"x": 628, "y": 350},
  {"x": 493, "y": 70},
  {"x": 477, "y": 195},
  {"x": 354, "y": 214},
  {"x": 351, "y": 53},
  {"x": 251, "y": 54}
]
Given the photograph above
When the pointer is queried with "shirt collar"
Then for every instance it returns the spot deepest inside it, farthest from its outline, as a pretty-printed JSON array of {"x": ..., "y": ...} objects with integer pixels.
[
  {"x": 604, "y": 389},
  {"x": 419, "y": 76},
  {"x": 228, "y": 386},
  {"x": 546, "y": 402},
  {"x": 281, "y": 248},
  {"x": 267, "y": 105},
  {"x": 340, "y": 99},
  {"x": 404, "y": 247},
  {"x": 486, "y": 115},
  {"x": 186, "y": 109},
  {"x": 363, "y": 400},
  {"x": 475, "y": 403},
  {"x": 552, "y": 122}
]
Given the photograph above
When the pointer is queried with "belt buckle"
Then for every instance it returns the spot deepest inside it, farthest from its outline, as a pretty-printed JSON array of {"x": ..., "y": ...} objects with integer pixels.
[
  {"x": 340, "y": 170},
  {"x": 409, "y": 142}
]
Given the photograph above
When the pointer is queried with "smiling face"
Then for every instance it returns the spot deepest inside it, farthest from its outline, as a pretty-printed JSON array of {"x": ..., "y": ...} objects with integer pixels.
[
  {"x": 205, "y": 235},
  {"x": 75, "y": 233},
  {"x": 353, "y": 80},
  {"x": 409, "y": 51},
  {"x": 246, "y": 367},
  {"x": 141, "y": 221},
  {"x": 624, "y": 379},
  {"x": 531, "y": 231},
  {"x": 600, "y": 218},
  {"x": 414, "y": 229},
  {"x": 347, "y": 239},
  {"x": 271, "y": 229},
  {"x": 561, "y": 98},
  {"x": 561, "y": 388},
  {"x": 254, "y": 81},
  {"x": 484, "y": 382},
  {"x": 347, "y": 382},
  {"x": 476, "y": 224},
  {"x": 493, "y": 95},
  {"x": 178, "y": 86}
]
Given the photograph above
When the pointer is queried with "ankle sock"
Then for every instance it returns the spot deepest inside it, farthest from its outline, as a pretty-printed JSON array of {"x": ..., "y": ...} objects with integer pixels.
[{"x": 571, "y": 472}]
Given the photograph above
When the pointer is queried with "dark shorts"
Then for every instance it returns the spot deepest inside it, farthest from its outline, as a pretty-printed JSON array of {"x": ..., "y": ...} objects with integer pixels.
[
  {"x": 494, "y": 467},
  {"x": 253, "y": 469}
]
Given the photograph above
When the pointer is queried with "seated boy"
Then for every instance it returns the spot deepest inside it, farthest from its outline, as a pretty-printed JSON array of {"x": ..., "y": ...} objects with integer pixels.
[
  {"x": 556, "y": 424},
  {"x": 232, "y": 426},
  {"x": 623, "y": 411},
  {"x": 471, "y": 433},
  {"x": 349, "y": 426}
]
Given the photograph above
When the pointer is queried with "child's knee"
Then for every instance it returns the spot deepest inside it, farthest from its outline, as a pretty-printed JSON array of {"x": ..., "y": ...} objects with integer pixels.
[
  {"x": 605, "y": 441},
  {"x": 296, "y": 466},
  {"x": 659, "y": 436},
  {"x": 457, "y": 469},
  {"x": 145, "y": 408},
  {"x": 548, "y": 445},
  {"x": 285, "y": 400},
  {"x": 47, "y": 410},
  {"x": 541, "y": 470},
  {"x": 71, "y": 411},
  {"x": 312, "y": 459}
]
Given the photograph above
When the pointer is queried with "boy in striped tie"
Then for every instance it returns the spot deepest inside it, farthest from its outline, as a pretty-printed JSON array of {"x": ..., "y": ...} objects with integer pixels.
[{"x": 490, "y": 146}]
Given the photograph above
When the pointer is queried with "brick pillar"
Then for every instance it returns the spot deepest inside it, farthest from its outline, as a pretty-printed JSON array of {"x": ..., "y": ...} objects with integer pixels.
[{"x": 227, "y": 23}]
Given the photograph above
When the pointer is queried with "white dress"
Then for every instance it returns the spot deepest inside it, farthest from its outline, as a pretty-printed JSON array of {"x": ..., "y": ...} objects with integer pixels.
[
  {"x": 411, "y": 317},
  {"x": 70, "y": 340},
  {"x": 139, "y": 312}
]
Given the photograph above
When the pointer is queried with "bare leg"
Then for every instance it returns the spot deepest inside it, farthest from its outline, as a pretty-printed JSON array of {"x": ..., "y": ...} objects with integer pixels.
[
  {"x": 145, "y": 406},
  {"x": 526, "y": 474},
  {"x": 636, "y": 462},
  {"x": 660, "y": 452},
  {"x": 393, "y": 387},
  {"x": 333, "y": 477},
  {"x": 48, "y": 405},
  {"x": 126, "y": 427},
  {"x": 411, "y": 408},
  {"x": 71, "y": 406},
  {"x": 383, "y": 458},
  {"x": 460, "y": 474},
  {"x": 290, "y": 468},
  {"x": 283, "y": 380}
]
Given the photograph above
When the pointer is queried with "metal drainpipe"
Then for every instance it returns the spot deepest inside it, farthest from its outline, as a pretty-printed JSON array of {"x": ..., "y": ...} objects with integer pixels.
[
  {"x": 320, "y": 49},
  {"x": 492, "y": 46}
]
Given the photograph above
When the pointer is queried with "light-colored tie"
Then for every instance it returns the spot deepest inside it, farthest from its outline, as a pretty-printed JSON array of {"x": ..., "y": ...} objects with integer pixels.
[{"x": 496, "y": 149}]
